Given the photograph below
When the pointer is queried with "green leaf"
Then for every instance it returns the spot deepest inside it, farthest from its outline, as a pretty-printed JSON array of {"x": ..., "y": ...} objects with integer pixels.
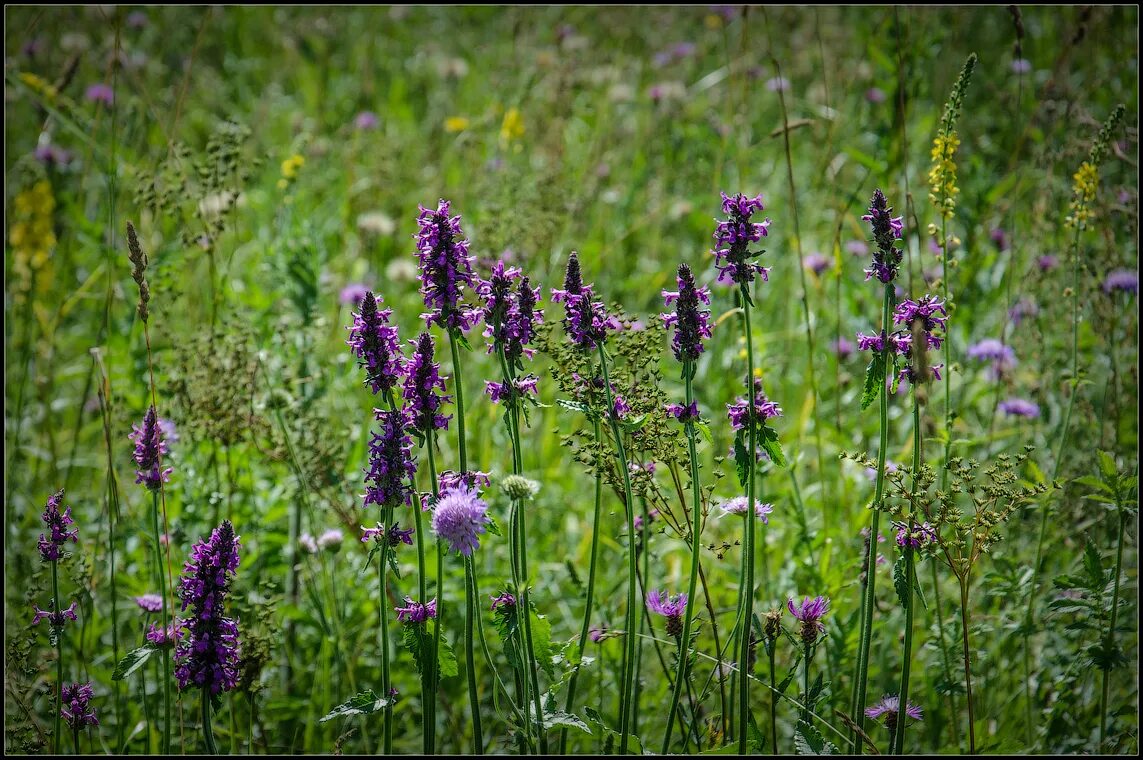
[
  {"x": 901, "y": 581},
  {"x": 542, "y": 643},
  {"x": 704, "y": 428},
  {"x": 132, "y": 661},
  {"x": 1094, "y": 483},
  {"x": 874, "y": 379},
  {"x": 755, "y": 737},
  {"x": 446, "y": 659},
  {"x": 1107, "y": 467},
  {"x": 1093, "y": 564},
  {"x": 575, "y": 406},
  {"x": 809, "y": 741},
  {"x": 631, "y": 424},
  {"x": 493, "y": 526},
  {"x": 365, "y": 703},
  {"x": 769, "y": 442},
  {"x": 561, "y": 718},
  {"x": 742, "y": 458}
]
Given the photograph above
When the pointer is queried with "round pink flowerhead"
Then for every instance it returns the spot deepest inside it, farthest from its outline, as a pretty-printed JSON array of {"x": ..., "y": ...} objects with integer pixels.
[
  {"x": 459, "y": 517},
  {"x": 661, "y": 603}
]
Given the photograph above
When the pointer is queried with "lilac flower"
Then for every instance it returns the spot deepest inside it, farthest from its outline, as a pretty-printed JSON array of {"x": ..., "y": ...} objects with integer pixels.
[
  {"x": 459, "y": 517},
  {"x": 921, "y": 535},
  {"x": 1121, "y": 279},
  {"x": 1001, "y": 357},
  {"x": 737, "y": 506},
  {"x": 816, "y": 263},
  {"x": 352, "y": 294},
  {"x": 331, "y": 540},
  {"x": 308, "y": 543},
  {"x": 887, "y": 230},
  {"x": 597, "y": 633},
  {"x": 389, "y": 479},
  {"x": 374, "y": 342},
  {"x": 473, "y": 480},
  {"x": 415, "y": 612},
  {"x": 422, "y": 379},
  {"x": 691, "y": 323},
  {"x": 1047, "y": 262},
  {"x": 163, "y": 636},
  {"x": 207, "y": 656},
  {"x": 1023, "y": 309},
  {"x": 671, "y": 609},
  {"x": 810, "y": 612},
  {"x": 519, "y": 388},
  {"x": 778, "y": 84},
  {"x": 446, "y": 267},
  {"x": 889, "y": 708},
  {"x": 366, "y": 120},
  {"x": 51, "y": 155},
  {"x": 100, "y": 93},
  {"x": 150, "y": 447},
  {"x": 684, "y": 414},
  {"x": 875, "y": 95},
  {"x": 504, "y": 601},
  {"x": 764, "y": 409},
  {"x": 55, "y": 619},
  {"x": 1018, "y": 407},
  {"x": 1021, "y": 66},
  {"x": 51, "y": 545},
  {"x": 394, "y": 535},
  {"x": 75, "y": 707},
  {"x": 150, "y": 602},
  {"x": 733, "y": 238},
  {"x": 843, "y": 347}
]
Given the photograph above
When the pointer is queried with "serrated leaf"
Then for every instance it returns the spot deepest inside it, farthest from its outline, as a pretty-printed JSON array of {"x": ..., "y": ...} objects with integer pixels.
[
  {"x": 874, "y": 379},
  {"x": 809, "y": 741},
  {"x": 542, "y": 643},
  {"x": 704, "y": 428},
  {"x": 632, "y": 424},
  {"x": 132, "y": 661},
  {"x": 493, "y": 526},
  {"x": 561, "y": 718},
  {"x": 446, "y": 659},
  {"x": 1107, "y": 467},
  {"x": 417, "y": 642},
  {"x": 742, "y": 459},
  {"x": 769, "y": 442},
  {"x": 574, "y": 406},
  {"x": 900, "y": 581},
  {"x": 364, "y": 703},
  {"x": 1093, "y": 566}
]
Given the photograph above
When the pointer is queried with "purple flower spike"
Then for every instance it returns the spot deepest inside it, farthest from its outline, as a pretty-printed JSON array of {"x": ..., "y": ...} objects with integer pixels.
[
  {"x": 733, "y": 238},
  {"x": 764, "y": 408},
  {"x": 504, "y": 601},
  {"x": 671, "y": 609},
  {"x": 684, "y": 414},
  {"x": 887, "y": 230},
  {"x": 889, "y": 708},
  {"x": 51, "y": 544},
  {"x": 389, "y": 479},
  {"x": 510, "y": 314},
  {"x": 422, "y": 380},
  {"x": 150, "y": 448},
  {"x": 585, "y": 321},
  {"x": 691, "y": 323},
  {"x": 374, "y": 342},
  {"x": 446, "y": 267},
  {"x": 207, "y": 655},
  {"x": 810, "y": 613},
  {"x": 415, "y": 612},
  {"x": 75, "y": 707},
  {"x": 163, "y": 636},
  {"x": 474, "y": 480},
  {"x": 395, "y": 536},
  {"x": 521, "y": 387},
  {"x": 459, "y": 517}
]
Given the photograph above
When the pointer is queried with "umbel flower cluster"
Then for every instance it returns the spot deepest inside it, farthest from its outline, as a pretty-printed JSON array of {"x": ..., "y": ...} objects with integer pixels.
[{"x": 207, "y": 656}]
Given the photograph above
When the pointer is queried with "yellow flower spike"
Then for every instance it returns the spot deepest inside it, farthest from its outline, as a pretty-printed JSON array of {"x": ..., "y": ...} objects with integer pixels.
[
  {"x": 455, "y": 124},
  {"x": 512, "y": 127},
  {"x": 712, "y": 21}
]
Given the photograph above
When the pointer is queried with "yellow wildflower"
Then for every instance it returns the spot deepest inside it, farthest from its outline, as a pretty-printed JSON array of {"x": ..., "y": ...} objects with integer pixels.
[
  {"x": 40, "y": 85},
  {"x": 291, "y": 165},
  {"x": 712, "y": 21},
  {"x": 1085, "y": 184},
  {"x": 513, "y": 125},
  {"x": 456, "y": 124},
  {"x": 32, "y": 235},
  {"x": 942, "y": 176}
]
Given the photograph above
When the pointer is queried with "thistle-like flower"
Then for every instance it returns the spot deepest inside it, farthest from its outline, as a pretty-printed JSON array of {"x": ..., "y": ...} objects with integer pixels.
[
  {"x": 691, "y": 323},
  {"x": 737, "y": 506},
  {"x": 389, "y": 479},
  {"x": 150, "y": 447},
  {"x": 51, "y": 544},
  {"x": 887, "y": 231},
  {"x": 446, "y": 267},
  {"x": 1018, "y": 407},
  {"x": 76, "y": 706},
  {"x": 422, "y": 380},
  {"x": 889, "y": 708},
  {"x": 150, "y": 603},
  {"x": 1001, "y": 358},
  {"x": 810, "y": 612},
  {"x": 661, "y": 603},
  {"x": 374, "y": 342},
  {"x": 459, "y": 517},
  {"x": 733, "y": 238},
  {"x": 207, "y": 656}
]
